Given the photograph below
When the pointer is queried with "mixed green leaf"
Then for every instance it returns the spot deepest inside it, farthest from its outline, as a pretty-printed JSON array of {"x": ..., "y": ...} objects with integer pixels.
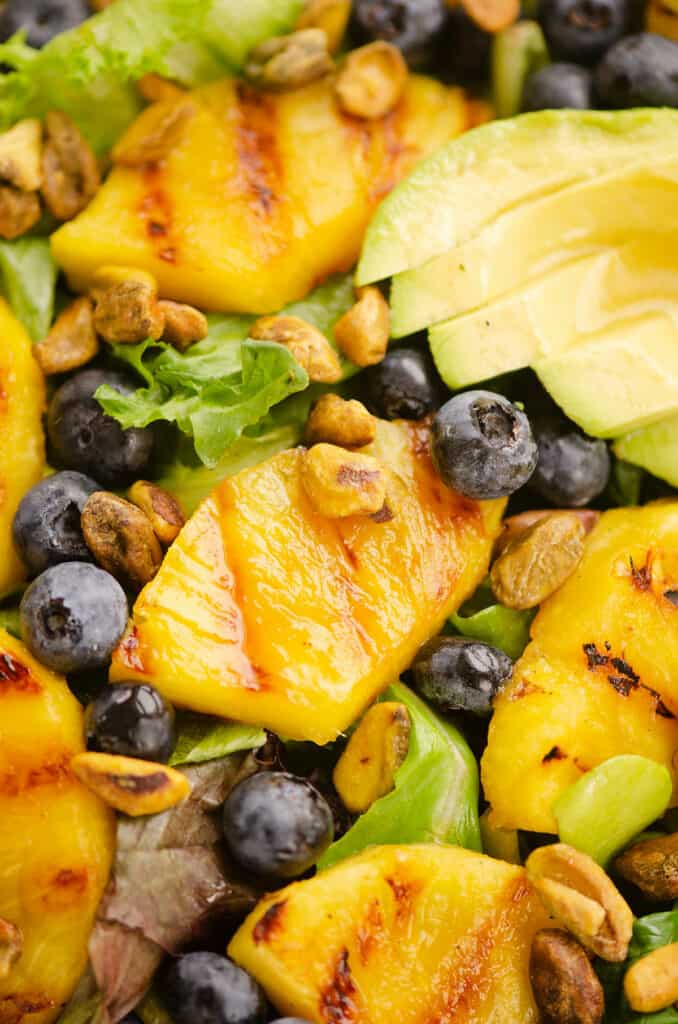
[
  {"x": 202, "y": 738},
  {"x": 29, "y": 277},
  {"x": 481, "y": 618},
  {"x": 649, "y": 933}
]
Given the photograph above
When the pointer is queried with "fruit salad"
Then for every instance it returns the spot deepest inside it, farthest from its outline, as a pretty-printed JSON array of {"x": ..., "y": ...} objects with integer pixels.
[{"x": 338, "y": 512}]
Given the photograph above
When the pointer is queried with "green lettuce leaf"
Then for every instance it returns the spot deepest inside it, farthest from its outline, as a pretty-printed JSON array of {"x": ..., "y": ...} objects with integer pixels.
[
  {"x": 652, "y": 932},
  {"x": 29, "y": 282},
  {"x": 212, "y": 392},
  {"x": 649, "y": 933},
  {"x": 202, "y": 738},
  {"x": 435, "y": 799},
  {"x": 482, "y": 619},
  {"x": 88, "y": 72}
]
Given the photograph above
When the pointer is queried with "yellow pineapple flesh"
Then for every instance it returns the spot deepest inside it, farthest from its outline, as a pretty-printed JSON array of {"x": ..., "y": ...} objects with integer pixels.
[
  {"x": 268, "y": 612},
  {"x": 22, "y": 449},
  {"x": 599, "y": 678},
  {"x": 398, "y": 933},
  {"x": 56, "y": 841},
  {"x": 262, "y": 196}
]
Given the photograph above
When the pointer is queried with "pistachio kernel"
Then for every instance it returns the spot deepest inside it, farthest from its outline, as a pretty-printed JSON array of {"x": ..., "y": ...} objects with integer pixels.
[
  {"x": 362, "y": 333},
  {"x": 579, "y": 894},
  {"x": 492, "y": 15},
  {"x": 344, "y": 423},
  {"x": 289, "y": 62},
  {"x": 341, "y": 483},
  {"x": 308, "y": 345},
  {"x": 161, "y": 509},
  {"x": 538, "y": 561},
  {"x": 367, "y": 768},
  {"x": 651, "y": 983},
  {"x": 184, "y": 325},
  {"x": 371, "y": 80},
  {"x": 108, "y": 275},
  {"x": 155, "y": 134},
  {"x": 19, "y": 212},
  {"x": 121, "y": 538},
  {"x": 128, "y": 313},
  {"x": 130, "y": 785},
  {"x": 566, "y": 988},
  {"x": 71, "y": 342},
  {"x": 11, "y": 946},
  {"x": 70, "y": 172},
  {"x": 652, "y": 866},
  {"x": 21, "y": 155},
  {"x": 512, "y": 526}
]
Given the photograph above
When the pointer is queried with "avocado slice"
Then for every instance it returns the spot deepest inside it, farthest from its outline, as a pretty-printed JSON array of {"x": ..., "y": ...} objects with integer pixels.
[
  {"x": 468, "y": 183},
  {"x": 564, "y": 308},
  {"x": 518, "y": 246},
  {"x": 655, "y": 448}
]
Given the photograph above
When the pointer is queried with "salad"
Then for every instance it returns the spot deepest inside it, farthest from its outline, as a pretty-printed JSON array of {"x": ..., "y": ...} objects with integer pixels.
[{"x": 338, "y": 511}]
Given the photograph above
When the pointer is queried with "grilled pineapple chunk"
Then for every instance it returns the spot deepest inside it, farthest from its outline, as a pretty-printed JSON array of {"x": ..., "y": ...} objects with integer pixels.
[
  {"x": 261, "y": 195},
  {"x": 56, "y": 841},
  {"x": 406, "y": 933},
  {"x": 22, "y": 452},
  {"x": 600, "y": 677},
  {"x": 267, "y": 612}
]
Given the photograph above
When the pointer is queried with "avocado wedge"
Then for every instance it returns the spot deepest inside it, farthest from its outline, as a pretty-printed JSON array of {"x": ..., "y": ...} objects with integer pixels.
[
  {"x": 518, "y": 246},
  {"x": 467, "y": 184},
  {"x": 655, "y": 448},
  {"x": 563, "y": 309}
]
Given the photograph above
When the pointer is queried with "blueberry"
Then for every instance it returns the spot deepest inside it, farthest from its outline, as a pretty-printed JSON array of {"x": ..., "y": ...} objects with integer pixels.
[
  {"x": 46, "y": 528},
  {"x": 458, "y": 674},
  {"x": 133, "y": 720},
  {"x": 404, "y": 385},
  {"x": 72, "y": 616},
  {"x": 639, "y": 71},
  {"x": 582, "y": 30},
  {"x": 277, "y": 824},
  {"x": 411, "y": 25},
  {"x": 559, "y": 85},
  {"x": 572, "y": 469},
  {"x": 463, "y": 51},
  {"x": 41, "y": 19},
  {"x": 482, "y": 445},
  {"x": 83, "y": 437},
  {"x": 289, "y": 1020},
  {"x": 205, "y": 988}
]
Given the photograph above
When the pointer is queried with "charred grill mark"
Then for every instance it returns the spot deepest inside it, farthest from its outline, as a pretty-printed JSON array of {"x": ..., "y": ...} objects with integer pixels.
[
  {"x": 269, "y": 923},
  {"x": 624, "y": 680},
  {"x": 15, "y": 676},
  {"x": 641, "y": 576},
  {"x": 404, "y": 894},
  {"x": 14, "y": 1008},
  {"x": 155, "y": 210},
  {"x": 370, "y": 931},
  {"x": 384, "y": 515},
  {"x": 128, "y": 651},
  {"x": 554, "y": 754},
  {"x": 52, "y": 773},
  {"x": 338, "y": 1003},
  {"x": 257, "y": 146}
]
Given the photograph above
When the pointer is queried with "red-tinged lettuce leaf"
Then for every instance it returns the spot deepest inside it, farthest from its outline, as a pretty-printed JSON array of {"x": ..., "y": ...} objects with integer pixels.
[{"x": 170, "y": 880}]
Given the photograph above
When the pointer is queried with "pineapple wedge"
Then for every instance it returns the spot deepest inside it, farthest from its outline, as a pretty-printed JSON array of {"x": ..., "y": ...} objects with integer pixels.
[
  {"x": 22, "y": 450},
  {"x": 269, "y": 613},
  {"x": 600, "y": 677},
  {"x": 406, "y": 933},
  {"x": 262, "y": 195},
  {"x": 57, "y": 839}
]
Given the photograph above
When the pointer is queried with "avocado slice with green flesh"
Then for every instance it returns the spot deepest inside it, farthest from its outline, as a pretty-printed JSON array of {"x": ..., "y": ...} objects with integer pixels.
[
  {"x": 655, "y": 448},
  {"x": 546, "y": 233},
  {"x": 463, "y": 186},
  {"x": 565, "y": 308}
]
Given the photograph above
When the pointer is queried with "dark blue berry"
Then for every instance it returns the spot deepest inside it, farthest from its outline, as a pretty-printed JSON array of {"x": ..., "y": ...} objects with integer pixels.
[
  {"x": 458, "y": 674},
  {"x": 482, "y": 445},
  {"x": 557, "y": 86},
  {"x": 639, "y": 71},
  {"x": 289, "y": 1020},
  {"x": 277, "y": 824},
  {"x": 463, "y": 50},
  {"x": 72, "y": 617},
  {"x": 582, "y": 30},
  {"x": 205, "y": 988},
  {"x": 46, "y": 528},
  {"x": 41, "y": 19},
  {"x": 404, "y": 385},
  {"x": 83, "y": 437},
  {"x": 572, "y": 468},
  {"x": 132, "y": 720},
  {"x": 411, "y": 25}
]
